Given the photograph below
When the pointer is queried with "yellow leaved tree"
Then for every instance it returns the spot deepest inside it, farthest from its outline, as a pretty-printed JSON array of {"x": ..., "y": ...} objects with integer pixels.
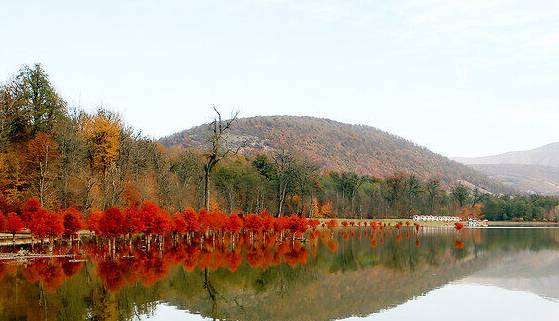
[{"x": 102, "y": 132}]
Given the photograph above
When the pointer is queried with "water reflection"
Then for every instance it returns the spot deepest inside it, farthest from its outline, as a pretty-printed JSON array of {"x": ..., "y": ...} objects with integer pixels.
[{"x": 332, "y": 275}]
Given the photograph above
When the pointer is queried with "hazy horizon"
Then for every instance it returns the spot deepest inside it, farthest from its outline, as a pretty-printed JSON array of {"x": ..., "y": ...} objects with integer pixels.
[{"x": 464, "y": 78}]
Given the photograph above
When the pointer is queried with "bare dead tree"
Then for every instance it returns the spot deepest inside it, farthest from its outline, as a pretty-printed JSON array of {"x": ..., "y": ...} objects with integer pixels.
[{"x": 217, "y": 148}]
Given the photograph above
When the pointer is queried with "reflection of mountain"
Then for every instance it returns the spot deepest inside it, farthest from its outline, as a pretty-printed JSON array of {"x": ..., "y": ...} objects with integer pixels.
[
  {"x": 357, "y": 280},
  {"x": 537, "y": 273},
  {"x": 333, "y": 295}
]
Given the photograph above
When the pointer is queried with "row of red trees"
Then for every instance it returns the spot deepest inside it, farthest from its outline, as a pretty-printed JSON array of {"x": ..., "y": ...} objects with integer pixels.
[
  {"x": 148, "y": 220},
  {"x": 41, "y": 222}
]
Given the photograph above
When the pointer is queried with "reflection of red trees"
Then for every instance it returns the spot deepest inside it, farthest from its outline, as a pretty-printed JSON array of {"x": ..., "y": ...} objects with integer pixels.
[
  {"x": 297, "y": 255},
  {"x": 234, "y": 260},
  {"x": 192, "y": 258},
  {"x": 212, "y": 240},
  {"x": 212, "y": 250},
  {"x": 49, "y": 272},
  {"x": 332, "y": 245},
  {"x": 458, "y": 244},
  {"x": 111, "y": 273},
  {"x": 70, "y": 268}
]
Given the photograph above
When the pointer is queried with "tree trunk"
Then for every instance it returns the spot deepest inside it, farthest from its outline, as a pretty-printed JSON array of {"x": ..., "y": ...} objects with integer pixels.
[
  {"x": 207, "y": 188},
  {"x": 282, "y": 199}
]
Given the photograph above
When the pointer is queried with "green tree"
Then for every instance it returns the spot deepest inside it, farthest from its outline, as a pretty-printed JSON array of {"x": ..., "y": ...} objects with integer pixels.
[
  {"x": 433, "y": 188},
  {"x": 460, "y": 193}
]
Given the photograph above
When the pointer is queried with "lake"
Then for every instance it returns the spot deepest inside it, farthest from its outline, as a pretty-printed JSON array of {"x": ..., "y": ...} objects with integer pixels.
[{"x": 346, "y": 274}]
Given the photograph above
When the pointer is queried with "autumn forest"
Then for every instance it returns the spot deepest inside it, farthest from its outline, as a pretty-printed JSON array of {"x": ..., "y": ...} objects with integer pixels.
[{"x": 58, "y": 157}]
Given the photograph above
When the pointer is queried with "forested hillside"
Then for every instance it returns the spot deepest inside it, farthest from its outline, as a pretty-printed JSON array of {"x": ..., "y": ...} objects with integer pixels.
[{"x": 339, "y": 147}]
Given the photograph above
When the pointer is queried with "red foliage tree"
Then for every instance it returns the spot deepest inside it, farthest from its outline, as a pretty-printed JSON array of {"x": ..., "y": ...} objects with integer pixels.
[
  {"x": 161, "y": 222},
  {"x": 112, "y": 223},
  {"x": 297, "y": 224},
  {"x": 93, "y": 222},
  {"x": 134, "y": 220},
  {"x": 266, "y": 220},
  {"x": 72, "y": 221},
  {"x": 55, "y": 224},
  {"x": 252, "y": 223},
  {"x": 38, "y": 223},
  {"x": 191, "y": 219},
  {"x": 2, "y": 222},
  {"x": 280, "y": 224},
  {"x": 233, "y": 224},
  {"x": 14, "y": 224},
  {"x": 216, "y": 221},
  {"x": 149, "y": 213},
  {"x": 31, "y": 206},
  {"x": 178, "y": 223},
  {"x": 313, "y": 223},
  {"x": 332, "y": 224}
]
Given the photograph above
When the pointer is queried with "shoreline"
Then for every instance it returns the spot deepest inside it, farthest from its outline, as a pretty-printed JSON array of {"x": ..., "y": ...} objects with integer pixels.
[{"x": 445, "y": 224}]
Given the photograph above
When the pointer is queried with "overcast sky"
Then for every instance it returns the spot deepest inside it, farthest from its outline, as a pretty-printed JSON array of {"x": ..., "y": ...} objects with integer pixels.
[{"x": 464, "y": 78}]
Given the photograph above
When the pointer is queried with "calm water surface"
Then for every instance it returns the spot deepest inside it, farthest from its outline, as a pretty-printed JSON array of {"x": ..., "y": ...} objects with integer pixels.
[{"x": 477, "y": 274}]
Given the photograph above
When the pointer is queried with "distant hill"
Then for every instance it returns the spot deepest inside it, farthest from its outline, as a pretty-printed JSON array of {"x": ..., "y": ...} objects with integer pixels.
[
  {"x": 338, "y": 146},
  {"x": 533, "y": 179},
  {"x": 547, "y": 155},
  {"x": 530, "y": 171}
]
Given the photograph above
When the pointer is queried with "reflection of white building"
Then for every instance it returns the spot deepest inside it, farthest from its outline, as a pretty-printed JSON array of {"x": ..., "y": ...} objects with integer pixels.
[{"x": 435, "y": 218}]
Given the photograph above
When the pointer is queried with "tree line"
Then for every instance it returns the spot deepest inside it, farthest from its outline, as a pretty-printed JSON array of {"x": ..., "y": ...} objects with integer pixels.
[{"x": 69, "y": 158}]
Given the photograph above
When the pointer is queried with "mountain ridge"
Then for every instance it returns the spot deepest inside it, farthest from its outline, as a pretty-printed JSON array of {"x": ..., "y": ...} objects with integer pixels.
[
  {"x": 534, "y": 171},
  {"x": 546, "y": 155}
]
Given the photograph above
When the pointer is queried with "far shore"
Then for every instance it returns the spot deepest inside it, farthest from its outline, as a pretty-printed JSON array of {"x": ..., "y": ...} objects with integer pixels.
[{"x": 393, "y": 221}]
